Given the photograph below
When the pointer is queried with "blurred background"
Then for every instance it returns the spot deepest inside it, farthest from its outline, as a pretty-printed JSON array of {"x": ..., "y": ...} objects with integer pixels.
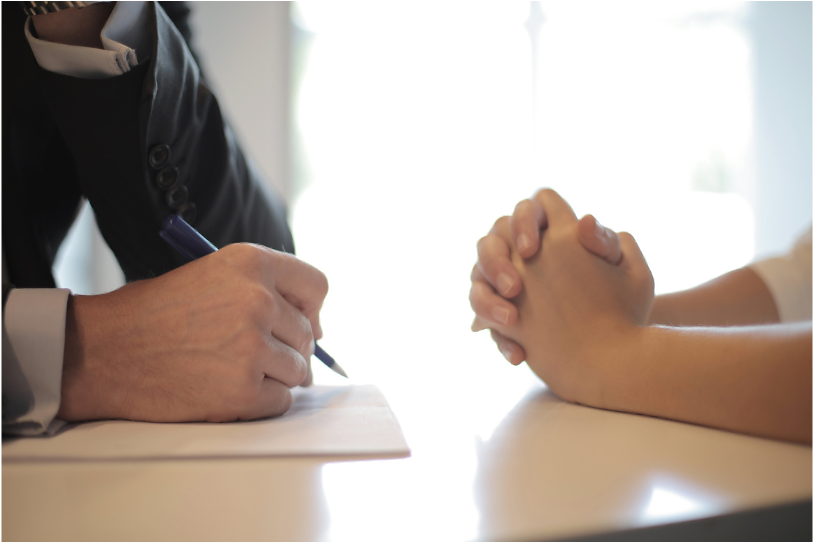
[{"x": 398, "y": 133}]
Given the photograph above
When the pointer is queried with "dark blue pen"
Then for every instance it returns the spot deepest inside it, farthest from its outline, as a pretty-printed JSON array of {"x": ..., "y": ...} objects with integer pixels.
[{"x": 191, "y": 244}]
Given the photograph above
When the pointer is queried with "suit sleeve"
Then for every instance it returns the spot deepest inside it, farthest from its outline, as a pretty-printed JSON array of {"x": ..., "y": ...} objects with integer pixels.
[{"x": 154, "y": 142}]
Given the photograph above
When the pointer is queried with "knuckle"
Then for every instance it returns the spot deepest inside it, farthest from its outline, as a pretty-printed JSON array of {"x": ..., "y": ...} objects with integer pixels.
[
  {"x": 483, "y": 245},
  {"x": 256, "y": 299},
  {"x": 522, "y": 208},
  {"x": 282, "y": 402},
  {"x": 305, "y": 345},
  {"x": 273, "y": 398},
  {"x": 246, "y": 258},
  {"x": 545, "y": 194},
  {"x": 301, "y": 371},
  {"x": 235, "y": 251},
  {"x": 476, "y": 298},
  {"x": 492, "y": 246},
  {"x": 647, "y": 281},
  {"x": 321, "y": 285},
  {"x": 229, "y": 251},
  {"x": 291, "y": 366},
  {"x": 501, "y": 223},
  {"x": 280, "y": 259}
]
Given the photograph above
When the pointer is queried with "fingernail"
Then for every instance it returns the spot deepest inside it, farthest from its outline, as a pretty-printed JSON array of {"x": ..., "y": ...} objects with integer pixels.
[
  {"x": 507, "y": 353},
  {"x": 504, "y": 283},
  {"x": 601, "y": 233},
  {"x": 600, "y": 230},
  {"x": 523, "y": 242},
  {"x": 500, "y": 314}
]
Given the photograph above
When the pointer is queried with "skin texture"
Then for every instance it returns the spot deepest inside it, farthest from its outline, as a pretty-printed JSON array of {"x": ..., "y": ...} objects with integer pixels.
[
  {"x": 222, "y": 338},
  {"x": 592, "y": 305},
  {"x": 495, "y": 280},
  {"x": 735, "y": 298},
  {"x": 585, "y": 325},
  {"x": 74, "y": 26},
  {"x": 754, "y": 380}
]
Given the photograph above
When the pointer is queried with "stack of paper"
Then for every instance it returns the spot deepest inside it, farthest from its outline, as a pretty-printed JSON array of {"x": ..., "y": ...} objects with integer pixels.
[{"x": 323, "y": 421}]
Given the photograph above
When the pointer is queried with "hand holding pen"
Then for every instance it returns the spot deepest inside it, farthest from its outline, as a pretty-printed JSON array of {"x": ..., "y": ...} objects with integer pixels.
[
  {"x": 192, "y": 245},
  {"x": 215, "y": 340}
]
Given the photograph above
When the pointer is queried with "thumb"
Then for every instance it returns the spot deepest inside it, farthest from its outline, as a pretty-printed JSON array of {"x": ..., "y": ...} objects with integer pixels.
[
  {"x": 633, "y": 260},
  {"x": 598, "y": 239}
]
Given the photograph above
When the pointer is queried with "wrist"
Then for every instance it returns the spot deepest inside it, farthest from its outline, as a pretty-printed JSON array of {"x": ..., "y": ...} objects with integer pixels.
[
  {"x": 660, "y": 311},
  {"x": 608, "y": 370},
  {"x": 84, "y": 395}
]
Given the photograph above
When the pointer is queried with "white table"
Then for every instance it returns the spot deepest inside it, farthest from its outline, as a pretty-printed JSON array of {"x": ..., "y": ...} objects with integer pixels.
[{"x": 495, "y": 457}]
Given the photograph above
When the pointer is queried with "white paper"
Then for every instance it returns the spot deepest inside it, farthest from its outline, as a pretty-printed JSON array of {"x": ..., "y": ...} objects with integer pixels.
[{"x": 323, "y": 421}]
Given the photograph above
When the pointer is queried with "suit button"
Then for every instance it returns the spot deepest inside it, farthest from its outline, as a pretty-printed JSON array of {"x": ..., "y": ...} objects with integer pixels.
[
  {"x": 159, "y": 156},
  {"x": 188, "y": 212},
  {"x": 177, "y": 197},
  {"x": 167, "y": 178}
]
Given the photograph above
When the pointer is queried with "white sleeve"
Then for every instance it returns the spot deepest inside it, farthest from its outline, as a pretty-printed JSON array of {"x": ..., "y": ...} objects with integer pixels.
[
  {"x": 33, "y": 348},
  {"x": 788, "y": 278},
  {"x": 127, "y": 25}
]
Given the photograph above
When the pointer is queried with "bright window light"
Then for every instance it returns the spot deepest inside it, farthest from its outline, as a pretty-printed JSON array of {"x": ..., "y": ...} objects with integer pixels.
[{"x": 417, "y": 126}]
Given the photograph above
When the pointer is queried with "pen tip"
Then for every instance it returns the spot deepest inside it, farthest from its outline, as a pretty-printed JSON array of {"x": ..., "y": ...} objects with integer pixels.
[{"x": 338, "y": 369}]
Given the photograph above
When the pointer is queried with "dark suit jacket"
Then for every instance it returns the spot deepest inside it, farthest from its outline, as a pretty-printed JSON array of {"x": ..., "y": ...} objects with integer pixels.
[{"x": 139, "y": 147}]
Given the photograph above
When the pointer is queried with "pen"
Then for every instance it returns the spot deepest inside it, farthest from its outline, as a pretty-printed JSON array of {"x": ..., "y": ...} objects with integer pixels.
[{"x": 191, "y": 244}]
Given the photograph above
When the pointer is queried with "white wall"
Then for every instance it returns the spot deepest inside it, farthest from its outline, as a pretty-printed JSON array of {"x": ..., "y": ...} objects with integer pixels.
[
  {"x": 781, "y": 41},
  {"x": 245, "y": 52}
]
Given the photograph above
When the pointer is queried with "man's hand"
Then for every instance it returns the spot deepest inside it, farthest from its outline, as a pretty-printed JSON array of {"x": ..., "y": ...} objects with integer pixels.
[
  {"x": 575, "y": 306},
  {"x": 494, "y": 278},
  {"x": 222, "y": 338}
]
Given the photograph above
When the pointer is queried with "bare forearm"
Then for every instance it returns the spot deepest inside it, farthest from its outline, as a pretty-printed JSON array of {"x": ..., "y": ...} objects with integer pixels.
[
  {"x": 738, "y": 298},
  {"x": 755, "y": 380}
]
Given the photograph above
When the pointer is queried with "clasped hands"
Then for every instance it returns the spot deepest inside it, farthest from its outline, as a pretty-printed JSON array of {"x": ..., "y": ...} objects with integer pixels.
[
  {"x": 560, "y": 293},
  {"x": 225, "y": 337}
]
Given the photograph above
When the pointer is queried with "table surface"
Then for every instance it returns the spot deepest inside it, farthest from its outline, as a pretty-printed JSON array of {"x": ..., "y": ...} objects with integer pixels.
[{"x": 497, "y": 456}]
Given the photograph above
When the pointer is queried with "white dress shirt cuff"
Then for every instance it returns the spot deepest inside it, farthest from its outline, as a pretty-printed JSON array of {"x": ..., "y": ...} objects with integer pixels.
[
  {"x": 127, "y": 25},
  {"x": 34, "y": 327}
]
